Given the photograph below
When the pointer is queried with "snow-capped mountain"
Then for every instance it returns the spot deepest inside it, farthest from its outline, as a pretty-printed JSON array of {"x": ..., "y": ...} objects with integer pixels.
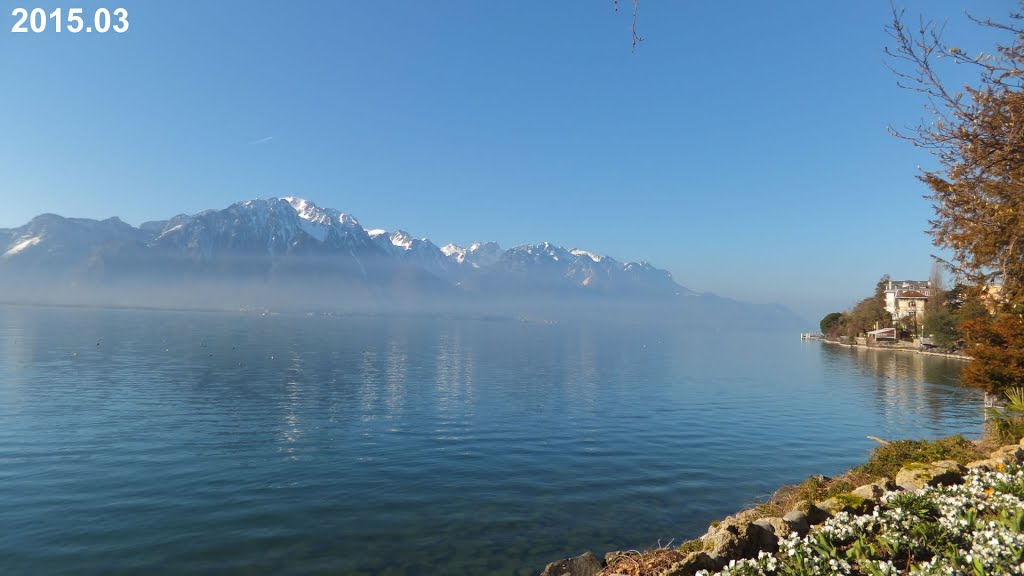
[
  {"x": 478, "y": 255},
  {"x": 418, "y": 252},
  {"x": 292, "y": 241},
  {"x": 268, "y": 236},
  {"x": 548, "y": 267},
  {"x": 275, "y": 227},
  {"x": 154, "y": 228},
  {"x": 55, "y": 244}
]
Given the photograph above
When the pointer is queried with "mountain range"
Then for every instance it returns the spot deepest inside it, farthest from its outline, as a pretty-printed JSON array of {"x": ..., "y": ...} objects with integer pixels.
[{"x": 289, "y": 252}]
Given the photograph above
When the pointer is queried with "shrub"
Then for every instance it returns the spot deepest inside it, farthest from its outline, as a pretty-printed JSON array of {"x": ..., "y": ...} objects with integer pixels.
[
  {"x": 1006, "y": 423},
  {"x": 887, "y": 460}
]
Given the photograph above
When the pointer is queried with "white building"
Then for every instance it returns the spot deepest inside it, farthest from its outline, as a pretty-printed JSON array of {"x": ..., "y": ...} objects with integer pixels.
[{"x": 907, "y": 299}]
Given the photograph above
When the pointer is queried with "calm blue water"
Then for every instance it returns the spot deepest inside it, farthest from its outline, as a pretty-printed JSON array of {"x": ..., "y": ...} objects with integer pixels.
[{"x": 163, "y": 442}]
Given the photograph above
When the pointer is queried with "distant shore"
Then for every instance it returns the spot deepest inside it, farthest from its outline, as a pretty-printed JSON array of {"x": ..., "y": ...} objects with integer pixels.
[{"x": 898, "y": 349}]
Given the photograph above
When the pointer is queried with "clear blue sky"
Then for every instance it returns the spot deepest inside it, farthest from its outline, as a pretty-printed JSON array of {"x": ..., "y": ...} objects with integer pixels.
[{"x": 743, "y": 146}]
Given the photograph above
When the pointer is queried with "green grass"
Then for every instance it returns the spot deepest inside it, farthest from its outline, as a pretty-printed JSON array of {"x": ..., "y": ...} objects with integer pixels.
[
  {"x": 855, "y": 503},
  {"x": 814, "y": 489},
  {"x": 691, "y": 546},
  {"x": 884, "y": 462},
  {"x": 887, "y": 460}
]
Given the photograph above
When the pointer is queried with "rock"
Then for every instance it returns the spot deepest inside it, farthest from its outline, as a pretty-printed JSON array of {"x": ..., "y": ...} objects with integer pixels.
[
  {"x": 951, "y": 465},
  {"x": 725, "y": 541},
  {"x": 915, "y": 475},
  {"x": 783, "y": 493},
  {"x": 779, "y": 525},
  {"x": 770, "y": 530},
  {"x": 1022, "y": 441},
  {"x": 735, "y": 537},
  {"x": 986, "y": 465},
  {"x": 609, "y": 556},
  {"x": 694, "y": 562},
  {"x": 847, "y": 503},
  {"x": 873, "y": 491},
  {"x": 797, "y": 522},
  {"x": 1013, "y": 454},
  {"x": 815, "y": 515},
  {"x": 584, "y": 565}
]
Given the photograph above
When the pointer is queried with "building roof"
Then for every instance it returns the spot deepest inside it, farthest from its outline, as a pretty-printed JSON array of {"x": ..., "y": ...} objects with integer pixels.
[
  {"x": 909, "y": 284},
  {"x": 910, "y": 294}
]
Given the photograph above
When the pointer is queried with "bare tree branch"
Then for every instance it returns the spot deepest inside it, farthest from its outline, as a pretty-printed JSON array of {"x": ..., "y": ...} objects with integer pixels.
[{"x": 637, "y": 39}]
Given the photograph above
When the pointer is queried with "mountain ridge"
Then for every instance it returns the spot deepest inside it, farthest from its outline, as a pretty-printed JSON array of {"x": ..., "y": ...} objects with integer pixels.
[{"x": 290, "y": 241}]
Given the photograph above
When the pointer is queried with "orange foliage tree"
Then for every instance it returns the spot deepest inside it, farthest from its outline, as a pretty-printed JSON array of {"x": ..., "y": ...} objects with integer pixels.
[
  {"x": 998, "y": 352},
  {"x": 976, "y": 132}
]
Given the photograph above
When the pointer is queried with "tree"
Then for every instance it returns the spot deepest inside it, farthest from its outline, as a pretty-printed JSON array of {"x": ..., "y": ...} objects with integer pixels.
[
  {"x": 977, "y": 135},
  {"x": 937, "y": 293},
  {"x": 869, "y": 313},
  {"x": 998, "y": 352},
  {"x": 831, "y": 323},
  {"x": 636, "y": 13},
  {"x": 943, "y": 328}
]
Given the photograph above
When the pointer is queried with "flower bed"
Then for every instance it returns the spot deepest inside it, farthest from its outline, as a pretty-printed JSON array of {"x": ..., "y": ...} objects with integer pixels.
[{"x": 973, "y": 528}]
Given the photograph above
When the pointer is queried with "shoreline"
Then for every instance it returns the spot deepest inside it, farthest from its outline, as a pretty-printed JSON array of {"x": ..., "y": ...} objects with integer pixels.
[
  {"x": 766, "y": 536},
  {"x": 911, "y": 350}
]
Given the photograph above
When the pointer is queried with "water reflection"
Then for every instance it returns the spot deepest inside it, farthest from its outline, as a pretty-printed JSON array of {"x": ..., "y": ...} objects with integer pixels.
[
  {"x": 905, "y": 383},
  {"x": 297, "y": 445},
  {"x": 456, "y": 373},
  {"x": 396, "y": 366}
]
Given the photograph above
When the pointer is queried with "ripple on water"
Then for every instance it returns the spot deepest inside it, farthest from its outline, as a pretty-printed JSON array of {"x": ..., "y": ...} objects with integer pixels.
[{"x": 228, "y": 443}]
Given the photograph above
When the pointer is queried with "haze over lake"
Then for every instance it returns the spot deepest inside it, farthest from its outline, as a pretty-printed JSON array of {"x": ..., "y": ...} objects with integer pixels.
[{"x": 173, "y": 442}]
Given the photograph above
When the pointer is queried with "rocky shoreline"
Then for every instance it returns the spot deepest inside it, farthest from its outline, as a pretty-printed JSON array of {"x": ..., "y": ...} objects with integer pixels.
[{"x": 751, "y": 536}]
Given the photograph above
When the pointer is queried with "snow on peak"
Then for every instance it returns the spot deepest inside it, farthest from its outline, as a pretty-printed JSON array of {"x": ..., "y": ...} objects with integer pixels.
[
  {"x": 591, "y": 255},
  {"x": 317, "y": 221},
  {"x": 307, "y": 210},
  {"x": 304, "y": 207},
  {"x": 455, "y": 252},
  {"x": 170, "y": 230},
  {"x": 347, "y": 219},
  {"x": 480, "y": 246},
  {"x": 548, "y": 249},
  {"x": 317, "y": 215},
  {"x": 402, "y": 239},
  {"x": 478, "y": 255},
  {"x": 22, "y": 245}
]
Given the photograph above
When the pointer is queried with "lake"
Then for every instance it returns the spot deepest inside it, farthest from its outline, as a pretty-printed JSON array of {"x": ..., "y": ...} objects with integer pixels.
[{"x": 172, "y": 442}]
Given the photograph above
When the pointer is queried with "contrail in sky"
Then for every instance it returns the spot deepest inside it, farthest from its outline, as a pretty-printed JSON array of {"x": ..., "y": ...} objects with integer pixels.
[{"x": 262, "y": 140}]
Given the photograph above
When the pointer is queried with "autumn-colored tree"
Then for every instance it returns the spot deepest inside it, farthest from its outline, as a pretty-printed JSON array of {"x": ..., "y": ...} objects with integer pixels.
[
  {"x": 977, "y": 134},
  {"x": 998, "y": 354},
  {"x": 869, "y": 314}
]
